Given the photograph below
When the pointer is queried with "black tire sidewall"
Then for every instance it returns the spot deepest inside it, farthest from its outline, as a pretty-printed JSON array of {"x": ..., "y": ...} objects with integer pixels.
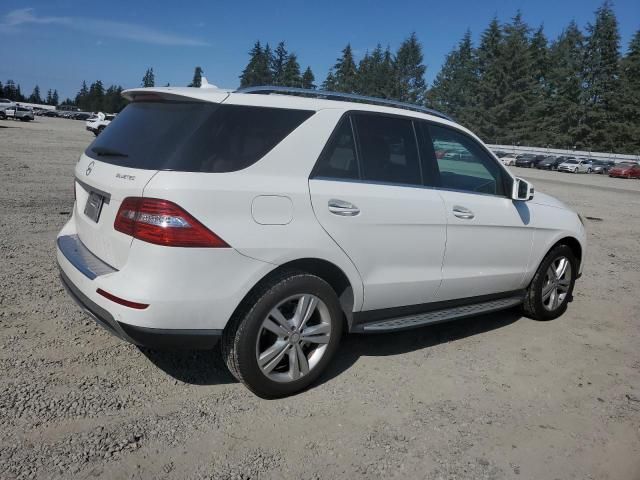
[
  {"x": 295, "y": 284},
  {"x": 541, "y": 312}
]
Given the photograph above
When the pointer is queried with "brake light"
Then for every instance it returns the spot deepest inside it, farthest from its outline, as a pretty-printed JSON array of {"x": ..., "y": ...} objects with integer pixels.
[{"x": 164, "y": 223}]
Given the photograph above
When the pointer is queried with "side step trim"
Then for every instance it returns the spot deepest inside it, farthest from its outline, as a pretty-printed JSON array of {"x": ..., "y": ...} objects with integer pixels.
[{"x": 437, "y": 316}]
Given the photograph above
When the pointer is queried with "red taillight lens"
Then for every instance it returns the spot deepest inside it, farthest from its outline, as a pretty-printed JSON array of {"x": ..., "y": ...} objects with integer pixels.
[
  {"x": 122, "y": 301},
  {"x": 164, "y": 223}
]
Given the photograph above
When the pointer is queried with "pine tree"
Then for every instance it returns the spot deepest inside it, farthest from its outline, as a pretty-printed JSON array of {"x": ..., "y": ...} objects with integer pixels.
[
  {"x": 49, "y": 100},
  {"x": 197, "y": 78},
  {"x": 514, "y": 112},
  {"x": 291, "y": 74},
  {"x": 630, "y": 97},
  {"x": 600, "y": 125},
  {"x": 385, "y": 77},
  {"x": 82, "y": 97},
  {"x": 453, "y": 88},
  {"x": 149, "y": 79},
  {"x": 365, "y": 80},
  {"x": 373, "y": 76},
  {"x": 410, "y": 84},
  {"x": 564, "y": 87},
  {"x": 35, "y": 96},
  {"x": 538, "y": 121},
  {"x": 257, "y": 71},
  {"x": 95, "y": 99},
  {"x": 10, "y": 90},
  {"x": 329, "y": 83},
  {"x": 113, "y": 101},
  {"x": 307, "y": 79},
  {"x": 54, "y": 98},
  {"x": 346, "y": 73},
  {"x": 277, "y": 63},
  {"x": 491, "y": 85},
  {"x": 378, "y": 77}
]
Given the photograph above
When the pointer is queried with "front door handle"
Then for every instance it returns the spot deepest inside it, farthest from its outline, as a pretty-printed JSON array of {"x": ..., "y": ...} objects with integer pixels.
[
  {"x": 463, "y": 212},
  {"x": 342, "y": 208}
]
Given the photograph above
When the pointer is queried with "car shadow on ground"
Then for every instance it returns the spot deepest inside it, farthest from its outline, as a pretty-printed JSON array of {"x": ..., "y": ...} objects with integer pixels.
[
  {"x": 196, "y": 367},
  {"x": 206, "y": 367},
  {"x": 397, "y": 343}
]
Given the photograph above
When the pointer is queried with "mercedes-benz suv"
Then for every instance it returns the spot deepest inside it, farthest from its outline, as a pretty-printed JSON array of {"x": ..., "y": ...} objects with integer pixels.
[{"x": 279, "y": 219}]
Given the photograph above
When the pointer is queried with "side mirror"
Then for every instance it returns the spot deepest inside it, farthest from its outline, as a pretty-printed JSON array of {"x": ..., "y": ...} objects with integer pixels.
[{"x": 522, "y": 190}]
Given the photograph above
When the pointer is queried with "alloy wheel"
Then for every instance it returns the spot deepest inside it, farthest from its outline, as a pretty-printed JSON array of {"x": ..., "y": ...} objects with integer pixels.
[
  {"x": 556, "y": 283},
  {"x": 293, "y": 338}
]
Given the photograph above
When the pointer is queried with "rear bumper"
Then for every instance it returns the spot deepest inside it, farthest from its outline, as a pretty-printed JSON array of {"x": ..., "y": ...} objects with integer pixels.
[{"x": 142, "y": 336}]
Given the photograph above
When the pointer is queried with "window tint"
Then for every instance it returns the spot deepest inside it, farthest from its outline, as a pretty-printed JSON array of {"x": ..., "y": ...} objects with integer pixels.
[
  {"x": 388, "y": 149},
  {"x": 338, "y": 160},
  {"x": 193, "y": 136},
  {"x": 463, "y": 163}
]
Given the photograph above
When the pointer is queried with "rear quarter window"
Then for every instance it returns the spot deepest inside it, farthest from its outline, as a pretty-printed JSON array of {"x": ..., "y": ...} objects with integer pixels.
[{"x": 193, "y": 136}]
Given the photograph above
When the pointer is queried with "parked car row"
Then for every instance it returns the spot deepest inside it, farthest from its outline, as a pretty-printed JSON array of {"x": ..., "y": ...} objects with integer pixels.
[
  {"x": 568, "y": 164},
  {"x": 64, "y": 114}
]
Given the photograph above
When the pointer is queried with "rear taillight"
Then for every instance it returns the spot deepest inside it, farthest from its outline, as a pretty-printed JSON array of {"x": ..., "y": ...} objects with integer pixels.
[{"x": 164, "y": 223}]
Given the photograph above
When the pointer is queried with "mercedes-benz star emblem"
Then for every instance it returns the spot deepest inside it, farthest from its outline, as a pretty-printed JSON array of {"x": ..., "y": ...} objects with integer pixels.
[{"x": 89, "y": 168}]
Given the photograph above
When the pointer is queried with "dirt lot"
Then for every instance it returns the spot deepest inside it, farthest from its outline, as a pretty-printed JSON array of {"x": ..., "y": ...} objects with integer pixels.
[{"x": 496, "y": 396}]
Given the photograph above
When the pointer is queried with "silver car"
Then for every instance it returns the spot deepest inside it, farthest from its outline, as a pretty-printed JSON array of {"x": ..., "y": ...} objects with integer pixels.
[
  {"x": 576, "y": 165},
  {"x": 20, "y": 113}
]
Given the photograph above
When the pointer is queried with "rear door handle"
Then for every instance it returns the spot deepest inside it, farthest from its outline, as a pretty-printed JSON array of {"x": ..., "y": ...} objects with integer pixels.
[
  {"x": 342, "y": 208},
  {"x": 463, "y": 212}
]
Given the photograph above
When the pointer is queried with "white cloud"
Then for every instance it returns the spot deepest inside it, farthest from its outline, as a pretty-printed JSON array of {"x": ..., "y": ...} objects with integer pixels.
[{"x": 103, "y": 28}]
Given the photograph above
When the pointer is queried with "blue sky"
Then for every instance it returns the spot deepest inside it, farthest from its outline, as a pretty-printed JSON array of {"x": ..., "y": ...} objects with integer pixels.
[{"x": 57, "y": 44}]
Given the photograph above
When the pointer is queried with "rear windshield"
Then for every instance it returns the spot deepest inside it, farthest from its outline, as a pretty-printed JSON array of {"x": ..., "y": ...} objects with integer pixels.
[{"x": 193, "y": 136}]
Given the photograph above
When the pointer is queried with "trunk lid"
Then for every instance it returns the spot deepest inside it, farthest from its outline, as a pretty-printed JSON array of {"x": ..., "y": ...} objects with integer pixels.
[
  {"x": 149, "y": 135},
  {"x": 102, "y": 187}
]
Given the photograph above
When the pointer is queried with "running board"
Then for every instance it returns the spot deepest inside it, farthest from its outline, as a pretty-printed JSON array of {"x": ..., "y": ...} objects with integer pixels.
[{"x": 437, "y": 316}]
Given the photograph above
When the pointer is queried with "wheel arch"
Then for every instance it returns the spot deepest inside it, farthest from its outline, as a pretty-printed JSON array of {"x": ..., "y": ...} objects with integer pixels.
[
  {"x": 574, "y": 244},
  {"x": 328, "y": 271}
]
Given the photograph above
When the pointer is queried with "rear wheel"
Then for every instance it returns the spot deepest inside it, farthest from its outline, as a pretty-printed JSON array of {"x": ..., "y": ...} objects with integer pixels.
[
  {"x": 284, "y": 335},
  {"x": 552, "y": 286}
]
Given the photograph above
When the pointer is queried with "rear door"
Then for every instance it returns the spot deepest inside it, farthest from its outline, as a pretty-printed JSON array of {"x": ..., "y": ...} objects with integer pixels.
[
  {"x": 367, "y": 193},
  {"x": 488, "y": 234}
]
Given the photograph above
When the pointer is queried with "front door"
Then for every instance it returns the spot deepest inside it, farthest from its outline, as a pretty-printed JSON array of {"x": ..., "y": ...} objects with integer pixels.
[{"x": 489, "y": 239}]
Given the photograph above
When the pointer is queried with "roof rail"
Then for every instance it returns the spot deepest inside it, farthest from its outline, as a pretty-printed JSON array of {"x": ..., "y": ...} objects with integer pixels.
[{"x": 347, "y": 97}]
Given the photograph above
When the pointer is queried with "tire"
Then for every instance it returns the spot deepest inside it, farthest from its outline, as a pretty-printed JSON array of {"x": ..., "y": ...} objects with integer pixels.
[
  {"x": 538, "y": 307},
  {"x": 246, "y": 338},
  {"x": 589, "y": 170}
]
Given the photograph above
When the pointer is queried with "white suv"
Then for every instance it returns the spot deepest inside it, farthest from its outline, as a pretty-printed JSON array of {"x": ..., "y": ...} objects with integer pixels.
[{"x": 277, "y": 222}]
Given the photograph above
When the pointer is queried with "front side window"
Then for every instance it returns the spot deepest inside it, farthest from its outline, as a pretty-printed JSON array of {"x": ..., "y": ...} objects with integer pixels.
[
  {"x": 388, "y": 149},
  {"x": 338, "y": 160},
  {"x": 463, "y": 164},
  {"x": 193, "y": 136}
]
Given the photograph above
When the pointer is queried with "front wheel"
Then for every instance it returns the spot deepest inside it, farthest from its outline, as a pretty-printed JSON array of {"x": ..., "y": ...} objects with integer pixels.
[
  {"x": 284, "y": 335},
  {"x": 552, "y": 286}
]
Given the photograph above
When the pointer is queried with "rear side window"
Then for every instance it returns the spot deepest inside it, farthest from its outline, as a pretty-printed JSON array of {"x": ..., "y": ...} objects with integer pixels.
[
  {"x": 388, "y": 149},
  {"x": 338, "y": 160},
  {"x": 193, "y": 136}
]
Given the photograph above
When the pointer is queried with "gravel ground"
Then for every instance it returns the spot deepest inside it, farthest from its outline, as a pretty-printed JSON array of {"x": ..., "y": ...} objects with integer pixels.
[{"x": 496, "y": 396}]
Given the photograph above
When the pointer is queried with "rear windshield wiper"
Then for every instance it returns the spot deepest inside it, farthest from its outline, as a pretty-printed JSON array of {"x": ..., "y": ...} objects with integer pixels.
[{"x": 107, "y": 152}]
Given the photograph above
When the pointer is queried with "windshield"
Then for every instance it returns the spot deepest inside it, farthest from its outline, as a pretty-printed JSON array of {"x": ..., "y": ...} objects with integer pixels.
[
  {"x": 571, "y": 161},
  {"x": 193, "y": 136}
]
